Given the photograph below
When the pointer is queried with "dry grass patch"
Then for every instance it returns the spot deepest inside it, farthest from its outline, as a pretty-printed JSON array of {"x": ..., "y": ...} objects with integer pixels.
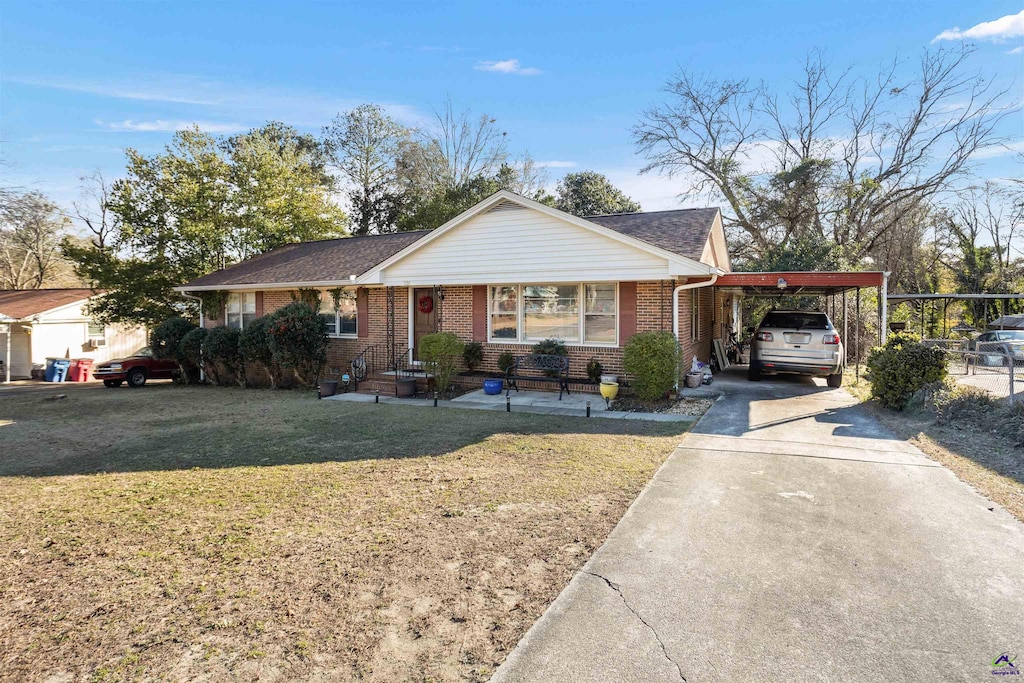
[
  {"x": 986, "y": 460},
  {"x": 218, "y": 534}
]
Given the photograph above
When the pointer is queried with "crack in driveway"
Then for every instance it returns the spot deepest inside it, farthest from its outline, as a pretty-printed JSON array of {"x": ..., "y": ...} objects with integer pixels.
[{"x": 615, "y": 587}]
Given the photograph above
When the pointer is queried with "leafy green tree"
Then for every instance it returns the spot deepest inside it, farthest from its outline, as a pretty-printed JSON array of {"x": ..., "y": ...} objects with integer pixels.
[
  {"x": 201, "y": 205},
  {"x": 588, "y": 193}
]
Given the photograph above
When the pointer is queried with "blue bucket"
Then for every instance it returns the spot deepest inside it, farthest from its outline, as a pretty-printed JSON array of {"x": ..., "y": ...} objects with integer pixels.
[{"x": 492, "y": 387}]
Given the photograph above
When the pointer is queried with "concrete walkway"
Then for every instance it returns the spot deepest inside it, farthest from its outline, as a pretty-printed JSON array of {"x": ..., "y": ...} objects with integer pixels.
[
  {"x": 536, "y": 402},
  {"x": 790, "y": 538}
]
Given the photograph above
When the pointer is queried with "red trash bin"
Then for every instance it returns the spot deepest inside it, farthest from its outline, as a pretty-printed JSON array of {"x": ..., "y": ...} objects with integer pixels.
[{"x": 80, "y": 369}]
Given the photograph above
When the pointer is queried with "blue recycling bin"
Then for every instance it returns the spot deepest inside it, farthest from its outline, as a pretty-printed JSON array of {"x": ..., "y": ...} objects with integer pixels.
[
  {"x": 48, "y": 373},
  {"x": 60, "y": 369}
]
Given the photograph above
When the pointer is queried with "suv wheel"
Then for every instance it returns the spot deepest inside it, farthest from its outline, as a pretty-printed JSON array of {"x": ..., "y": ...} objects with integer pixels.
[
  {"x": 136, "y": 378},
  {"x": 754, "y": 373},
  {"x": 835, "y": 381}
]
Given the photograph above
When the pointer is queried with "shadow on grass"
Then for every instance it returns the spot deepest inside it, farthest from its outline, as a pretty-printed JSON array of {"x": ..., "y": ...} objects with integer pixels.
[{"x": 169, "y": 427}]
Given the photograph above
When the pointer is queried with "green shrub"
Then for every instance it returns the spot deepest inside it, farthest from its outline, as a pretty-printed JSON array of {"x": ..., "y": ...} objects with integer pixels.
[
  {"x": 165, "y": 340},
  {"x": 594, "y": 370},
  {"x": 551, "y": 347},
  {"x": 652, "y": 359},
  {"x": 902, "y": 367},
  {"x": 440, "y": 353},
  {"x": 298, "y": 339},
  {"x": 221, "y": 349},
  {"x": 191, "y": 347},
  {"x": 473, "y": 354},
  {"x": 254, "y": 347},
  {"x": 505, "y": 360}
]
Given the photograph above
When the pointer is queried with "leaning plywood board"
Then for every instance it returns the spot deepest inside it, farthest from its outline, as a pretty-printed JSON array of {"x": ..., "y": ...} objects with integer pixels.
[{"x": 719, "y": 351}]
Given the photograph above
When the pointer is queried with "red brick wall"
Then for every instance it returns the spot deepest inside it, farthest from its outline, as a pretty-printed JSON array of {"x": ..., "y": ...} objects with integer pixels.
[{"x": 653, "y": 312}]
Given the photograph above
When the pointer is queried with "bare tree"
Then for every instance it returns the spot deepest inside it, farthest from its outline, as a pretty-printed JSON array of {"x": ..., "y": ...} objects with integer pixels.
[
  {"x": 93, "y": 210},
  {"x": 31, "y": 230},
  {"x": 364, "y": 145},
  {"x": 838, "y": 158},
  {"x": 461, "y": 147}
]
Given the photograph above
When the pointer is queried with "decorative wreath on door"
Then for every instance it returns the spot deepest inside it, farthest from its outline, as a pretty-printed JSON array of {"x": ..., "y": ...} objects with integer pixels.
[{"x": 426, "y": 303}]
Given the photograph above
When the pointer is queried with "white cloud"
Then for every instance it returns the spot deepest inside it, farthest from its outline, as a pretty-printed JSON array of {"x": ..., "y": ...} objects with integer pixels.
[
  {"x": 1010, "y": 26},
  {"x": 1016, "y": 51},
  {"x": 239, "y": 101},
  {"x": 508, "y": 66},
  {"x": 163, "y": 126},
  {"x": 555, "y": 164}
]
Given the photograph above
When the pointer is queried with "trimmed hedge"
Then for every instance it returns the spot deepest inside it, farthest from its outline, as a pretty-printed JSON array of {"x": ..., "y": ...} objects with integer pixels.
[
  {"x": 440, "y": 353},
  {"x": 652, "y": 358},
  {"x": 298, "y": 340}
]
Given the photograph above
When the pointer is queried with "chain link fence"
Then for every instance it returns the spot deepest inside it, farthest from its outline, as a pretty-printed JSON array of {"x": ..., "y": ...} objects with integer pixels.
[{"x": 991, "y": 366}]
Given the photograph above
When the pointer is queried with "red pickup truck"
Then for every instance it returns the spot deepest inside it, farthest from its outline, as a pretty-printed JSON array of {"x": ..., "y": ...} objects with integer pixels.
[{"x": 135, "y": 369}]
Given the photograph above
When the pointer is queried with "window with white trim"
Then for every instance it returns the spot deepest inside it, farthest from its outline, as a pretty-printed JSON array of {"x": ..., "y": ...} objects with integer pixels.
[
  {"x": 340, "y": 321},
  {"x": 528, "y": 313},
  {"x": 695, "y": 315},
  {"x": 241, "y": 309},
  {"x": 96, "y": 331}
]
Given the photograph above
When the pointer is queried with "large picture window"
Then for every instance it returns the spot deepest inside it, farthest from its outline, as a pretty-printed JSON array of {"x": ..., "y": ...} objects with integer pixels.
[
  {"x": 575, "y": 313},
  {"x": 340, "y": 322},
  {"x": 241, "y": 309},
  {"x": 551, "y": 311}
]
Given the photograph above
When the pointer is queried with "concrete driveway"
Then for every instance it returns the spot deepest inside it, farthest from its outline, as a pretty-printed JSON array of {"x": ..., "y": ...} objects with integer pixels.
[{"x": 790, "y": 538}]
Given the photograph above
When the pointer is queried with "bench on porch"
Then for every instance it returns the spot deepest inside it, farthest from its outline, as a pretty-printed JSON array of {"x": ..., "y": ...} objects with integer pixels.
[{"x": 551, "y": 369}]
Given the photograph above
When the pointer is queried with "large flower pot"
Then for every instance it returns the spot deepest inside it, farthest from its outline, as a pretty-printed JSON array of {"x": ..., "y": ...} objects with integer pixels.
[
  {"x": 405, "y": 388},
  {"x": 492, "y": 387},
  {"x": 609, "y": 390},
  {"x": 328, "y": 387}
]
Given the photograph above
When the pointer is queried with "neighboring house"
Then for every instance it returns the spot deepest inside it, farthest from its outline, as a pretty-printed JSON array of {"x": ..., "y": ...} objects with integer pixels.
[
  {"x": 507, "y": 273},
  {"x": 36, "y": 324}
]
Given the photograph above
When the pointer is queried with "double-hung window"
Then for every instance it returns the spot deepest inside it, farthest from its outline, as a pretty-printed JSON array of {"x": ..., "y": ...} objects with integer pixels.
[
  {"x": 97, "y": 331},
  {"x": 340, "y": 321},
  {"x": 575, "y": 313},
  {"x": 241, "y": 309}
]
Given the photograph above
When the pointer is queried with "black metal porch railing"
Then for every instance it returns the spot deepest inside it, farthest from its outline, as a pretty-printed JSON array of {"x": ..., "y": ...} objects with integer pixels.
[{"x": 382, "y": 362}]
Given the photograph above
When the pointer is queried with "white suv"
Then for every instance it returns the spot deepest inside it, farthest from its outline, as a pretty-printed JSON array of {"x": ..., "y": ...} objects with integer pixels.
[{"x": 797, "y": 342}]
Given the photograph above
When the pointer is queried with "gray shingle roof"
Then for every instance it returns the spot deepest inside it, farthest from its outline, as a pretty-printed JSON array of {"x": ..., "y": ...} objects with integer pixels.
[
  {"x": 683, "y": 231},
  {"x": 323, "y": 261}
]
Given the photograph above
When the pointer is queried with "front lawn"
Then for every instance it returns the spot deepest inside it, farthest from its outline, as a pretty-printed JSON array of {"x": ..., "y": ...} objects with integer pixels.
[{"x": 208, "y": 534}]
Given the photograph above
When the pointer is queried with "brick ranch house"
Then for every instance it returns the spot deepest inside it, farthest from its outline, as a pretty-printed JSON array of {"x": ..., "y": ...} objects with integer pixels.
[{"x": 507, "y": 273}]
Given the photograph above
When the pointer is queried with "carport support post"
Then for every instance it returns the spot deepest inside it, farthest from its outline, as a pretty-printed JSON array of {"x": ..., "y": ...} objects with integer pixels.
[
  {"x": 856, "y": 331},
  {"x": 883, "y": 310},
  {"x": 846, "y": 328}
]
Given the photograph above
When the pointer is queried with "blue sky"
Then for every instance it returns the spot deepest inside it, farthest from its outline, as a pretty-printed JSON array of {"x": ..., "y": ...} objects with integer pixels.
[{"x": 81, "y": 81}]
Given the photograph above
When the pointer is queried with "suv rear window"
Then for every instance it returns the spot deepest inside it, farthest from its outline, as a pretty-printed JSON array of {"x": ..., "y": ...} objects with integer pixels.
[{"x": 797, "y": 321}]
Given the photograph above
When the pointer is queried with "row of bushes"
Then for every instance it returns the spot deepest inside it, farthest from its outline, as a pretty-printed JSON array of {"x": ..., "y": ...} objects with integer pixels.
[{"x": 290, "y": 342}]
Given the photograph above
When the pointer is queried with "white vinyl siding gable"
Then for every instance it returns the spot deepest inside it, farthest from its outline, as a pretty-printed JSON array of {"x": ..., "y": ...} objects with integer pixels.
[{"x": 511, "y": 243}]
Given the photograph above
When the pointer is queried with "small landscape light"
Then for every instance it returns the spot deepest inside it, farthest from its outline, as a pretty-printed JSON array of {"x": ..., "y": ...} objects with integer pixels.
[
  {"x": 588, "y": 408},
  {"x": 376, "y": 398},
  {"x": 508, "y": 403}
]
